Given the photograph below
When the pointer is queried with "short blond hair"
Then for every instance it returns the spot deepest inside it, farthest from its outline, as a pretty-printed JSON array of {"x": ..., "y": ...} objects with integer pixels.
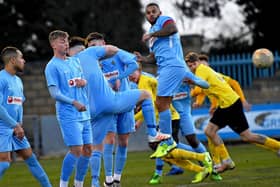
[{"x": 57, "y": 34}]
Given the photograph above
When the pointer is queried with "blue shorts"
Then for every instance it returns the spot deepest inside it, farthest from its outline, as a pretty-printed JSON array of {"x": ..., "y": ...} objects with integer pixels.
[
  {"x": 76, "y": 133},
  {"x": 183, "y": 107},
  {"x": 124, "y": 123},
  {"x": 169, "y": 80},
  {"x": 100, "y": 126},
  {"x": 10, "y": 143}
]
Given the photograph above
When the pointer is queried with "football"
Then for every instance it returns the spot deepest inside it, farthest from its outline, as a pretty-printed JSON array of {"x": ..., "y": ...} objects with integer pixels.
[{"x": 262, "y": 58}]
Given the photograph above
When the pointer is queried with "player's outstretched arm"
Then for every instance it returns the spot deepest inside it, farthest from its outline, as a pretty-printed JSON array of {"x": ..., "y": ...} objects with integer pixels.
[{"x": 110, "y": 50}]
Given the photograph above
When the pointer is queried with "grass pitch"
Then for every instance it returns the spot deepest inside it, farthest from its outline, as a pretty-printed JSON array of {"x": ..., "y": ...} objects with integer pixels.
[{"x": 254, "y": 167}]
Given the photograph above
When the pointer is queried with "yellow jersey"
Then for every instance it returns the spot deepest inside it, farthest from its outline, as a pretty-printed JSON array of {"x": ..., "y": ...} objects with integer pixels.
[{"x": 219, "y": 89}]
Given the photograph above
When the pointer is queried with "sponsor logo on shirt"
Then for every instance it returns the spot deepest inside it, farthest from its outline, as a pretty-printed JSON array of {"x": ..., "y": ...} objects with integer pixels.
[
  {"x": 13, "y": 100},
  {"x": 111, "y": 74},
  {"x": 72, "y": 82},
  {"x": 180, "y": 95}
]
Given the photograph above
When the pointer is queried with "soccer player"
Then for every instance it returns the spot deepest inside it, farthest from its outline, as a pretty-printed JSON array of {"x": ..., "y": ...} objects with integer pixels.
[
  {"x": 66, "y": 85},
  {"x": 233, "y": 84},
  {"x": 105, "y": 103},
  {"x": 116, "y": 70},
  {"x": 229, "y": 112},
  {"x": 200, "y": 97},
  {"x": 12, "y": 136},
  {"x": 166, "y": 51},
  {"x": 76, "y": 45},
  {"x": 149, "y": 82},
  {"x": 182, "y": 103}
]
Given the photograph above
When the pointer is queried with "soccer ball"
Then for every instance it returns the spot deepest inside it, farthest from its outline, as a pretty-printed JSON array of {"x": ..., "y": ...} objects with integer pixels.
[{"x": 262, "y": 58}]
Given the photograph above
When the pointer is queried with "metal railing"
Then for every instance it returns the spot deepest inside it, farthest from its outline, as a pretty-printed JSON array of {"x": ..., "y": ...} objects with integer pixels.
[{"x": 240, "y": 67}]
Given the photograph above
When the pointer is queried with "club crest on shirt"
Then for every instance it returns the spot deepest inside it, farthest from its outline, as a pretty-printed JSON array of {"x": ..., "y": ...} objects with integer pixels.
[
  {"x": 113, "y": 62},
  {"x": 13, "y": 100},
  {"x": 111, "y": 74},
  {"x": 180, "y": 95}
]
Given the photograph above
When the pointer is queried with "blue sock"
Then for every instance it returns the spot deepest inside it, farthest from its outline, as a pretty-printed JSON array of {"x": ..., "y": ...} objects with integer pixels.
[
  {"x": 159, "y": 166},
  {"x": 165, "y": 122},
  {"x": 68, "y": 166},
  {"x": 82, "y": 168},
  {"x": 185, "y": 147},
  {"x": 149, "y": 116},
  {"x": 37, "y": 171},
  {"x": 108, "y": 159},
  {"x": 197, "y": 81},
  {"x": 120, "y": 159},
  {"x": 3, "y": 167},
  {"x": 95, "y": 162},
  {"x": 200, "y": 148}
]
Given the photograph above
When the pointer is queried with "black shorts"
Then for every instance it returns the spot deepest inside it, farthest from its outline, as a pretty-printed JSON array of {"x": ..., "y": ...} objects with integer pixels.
[{"x": 232, "y": 116}]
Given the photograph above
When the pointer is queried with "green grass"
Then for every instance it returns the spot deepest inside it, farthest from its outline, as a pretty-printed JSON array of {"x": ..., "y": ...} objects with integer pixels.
[{"x": 254, "y": 167}]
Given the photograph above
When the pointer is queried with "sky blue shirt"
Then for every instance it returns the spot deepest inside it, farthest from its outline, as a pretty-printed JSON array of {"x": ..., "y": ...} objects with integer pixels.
[
  {"x": 100, "y": 93},
  {"x": 168, "y": 48},
  {"x": 120, "y": 66},
  {"x": 11, "y": 101},
  {"x": 62, "y": 73}
]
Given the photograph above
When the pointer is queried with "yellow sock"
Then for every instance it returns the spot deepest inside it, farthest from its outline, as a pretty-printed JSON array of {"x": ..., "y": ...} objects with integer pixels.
[
  {"x": 222, "y": 151},
  {"x": 272, "y": 144},
  {"x": 264, "y": 147},
  {"x": 215, "y": 156},
  {"x": 185, "y": 155},
  {"x": 186, "y": 164}
]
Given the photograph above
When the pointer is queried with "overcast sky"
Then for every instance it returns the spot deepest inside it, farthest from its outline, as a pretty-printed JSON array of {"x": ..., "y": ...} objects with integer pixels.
[{"x": 230, "y": 24}]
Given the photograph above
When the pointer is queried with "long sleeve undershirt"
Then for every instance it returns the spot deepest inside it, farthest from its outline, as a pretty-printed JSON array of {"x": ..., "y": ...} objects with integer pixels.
[{"x": 58, "y": 96}]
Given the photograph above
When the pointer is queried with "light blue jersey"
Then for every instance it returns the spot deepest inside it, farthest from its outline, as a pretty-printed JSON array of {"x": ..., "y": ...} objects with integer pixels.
[
  {"x": 168, "y": 50},
  {"x": 62, "y": 74},
  {"x": 120, "y": 66},
  {"x": 11, "y": 98},
  {"x": 104, "y": 102},
  {"x": 11, "y": 101},
  {"x": 169, "y": 58}
]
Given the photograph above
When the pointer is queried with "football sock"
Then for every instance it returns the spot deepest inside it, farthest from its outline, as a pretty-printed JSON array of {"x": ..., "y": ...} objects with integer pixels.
[
  {"x": 200, "y": 148},
  {"x": 3, "y": 167},
  {"x": 185, "y": 155},
  {"x": 82, "y": 168},
  {"x": 222, "y": 151},
  {"x": 37, "y": 171},
  {"x": 120, "y": 159},
  {"x": 149, "y": 116},
  {"x": 214, "y": 153},
  {"x": 197, "y": 81},
  {"x": 185, "y": 164},
  {"x": 272, "y": 144},
  {"x": 63, "y": 183},
  {"x": 165, "y": 122},
  {"x": 117, "y": 178},
  {"x": 108, "y": 159},
  {"x": 68, "y": 166},
  {"x": 78, "y": 183},
  {"x": 159, "y": 166},
  {"x": 181, "y": 145},
  {"x": 95, "y": 163}
]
